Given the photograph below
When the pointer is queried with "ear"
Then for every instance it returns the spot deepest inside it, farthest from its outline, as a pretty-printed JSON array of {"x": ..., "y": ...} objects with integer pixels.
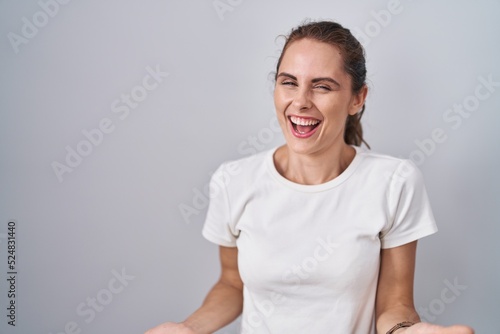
[{"x": 358, "y": 101}]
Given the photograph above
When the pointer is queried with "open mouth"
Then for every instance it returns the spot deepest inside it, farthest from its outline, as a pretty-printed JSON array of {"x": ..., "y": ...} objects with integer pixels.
[{"x": 303, "y": 127}]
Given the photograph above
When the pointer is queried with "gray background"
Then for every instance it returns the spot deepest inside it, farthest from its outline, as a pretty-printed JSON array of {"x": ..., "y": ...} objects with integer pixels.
[{"x": 119, "y": 209}]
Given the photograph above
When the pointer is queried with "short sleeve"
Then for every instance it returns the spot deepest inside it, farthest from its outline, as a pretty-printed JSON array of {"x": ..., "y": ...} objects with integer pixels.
[
  {"x": 410, "y": 211},
  {"x": 217, "y": 227}
]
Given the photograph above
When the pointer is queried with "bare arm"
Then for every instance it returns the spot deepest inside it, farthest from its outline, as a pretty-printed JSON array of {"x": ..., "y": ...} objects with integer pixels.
[
  {"x": 395, "y": 287},
  {"x": 221, "y": 306},
  {"x": 395, "y": 295}
]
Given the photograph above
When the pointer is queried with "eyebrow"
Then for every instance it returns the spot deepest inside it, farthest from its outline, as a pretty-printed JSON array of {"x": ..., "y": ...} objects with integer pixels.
[{"x": 315, "y": 80}]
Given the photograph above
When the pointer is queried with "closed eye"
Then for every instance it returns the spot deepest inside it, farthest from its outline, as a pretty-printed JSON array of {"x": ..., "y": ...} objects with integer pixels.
[
  {"x": 288, "y": 83},
  {"x": 323, "y": 87}
]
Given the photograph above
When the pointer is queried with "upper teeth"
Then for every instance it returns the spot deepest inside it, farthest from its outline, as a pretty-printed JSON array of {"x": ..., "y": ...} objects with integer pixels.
[{"x": 303, "y": 121}]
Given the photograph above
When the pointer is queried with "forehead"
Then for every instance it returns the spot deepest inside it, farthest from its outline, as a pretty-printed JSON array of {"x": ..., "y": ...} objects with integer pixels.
[{"x": 308, "y": 57}]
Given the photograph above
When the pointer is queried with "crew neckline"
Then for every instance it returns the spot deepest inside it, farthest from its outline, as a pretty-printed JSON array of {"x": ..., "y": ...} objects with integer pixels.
[{"x": 315, "y": 187}]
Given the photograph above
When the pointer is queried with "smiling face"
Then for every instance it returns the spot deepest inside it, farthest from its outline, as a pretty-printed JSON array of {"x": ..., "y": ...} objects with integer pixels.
[{"x": 313, "y": 97}]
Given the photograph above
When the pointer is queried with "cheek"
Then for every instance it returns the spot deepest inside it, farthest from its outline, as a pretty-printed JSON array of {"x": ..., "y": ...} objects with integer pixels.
[
  {"x": 281, "y": 100},
  {"x": 333, "y": 108},
  {"x": 280, "y": 115},
  {"x": 280, "y": 107},
  {"x": 277, "y": 98}
]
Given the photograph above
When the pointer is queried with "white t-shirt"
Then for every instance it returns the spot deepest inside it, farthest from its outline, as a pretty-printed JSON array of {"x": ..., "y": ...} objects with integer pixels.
[{"x": 308, "y": 255}]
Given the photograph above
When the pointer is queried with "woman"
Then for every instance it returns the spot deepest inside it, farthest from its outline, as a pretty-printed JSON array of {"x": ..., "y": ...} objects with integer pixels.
[{"x": 318, "y": 235}]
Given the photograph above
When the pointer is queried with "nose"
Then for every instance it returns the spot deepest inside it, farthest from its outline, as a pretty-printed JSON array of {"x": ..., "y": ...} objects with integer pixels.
[{"x": 302, "y": 99}]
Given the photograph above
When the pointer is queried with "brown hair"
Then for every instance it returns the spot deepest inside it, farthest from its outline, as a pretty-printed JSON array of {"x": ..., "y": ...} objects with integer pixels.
[{"x": 354, "y": 64}]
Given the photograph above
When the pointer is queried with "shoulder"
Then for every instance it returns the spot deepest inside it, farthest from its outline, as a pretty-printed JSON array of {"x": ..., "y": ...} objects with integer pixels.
[
  {"x": 378, "y": 159},
  {"x": 246, "y": 169},
  {"x": 387, "y": 167}
]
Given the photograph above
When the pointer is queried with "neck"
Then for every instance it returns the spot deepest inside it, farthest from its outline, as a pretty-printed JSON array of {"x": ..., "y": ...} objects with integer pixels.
[{"x": 317, "y": 168}]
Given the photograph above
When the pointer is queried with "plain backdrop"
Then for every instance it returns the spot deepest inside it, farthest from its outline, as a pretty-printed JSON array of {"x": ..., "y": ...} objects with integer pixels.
[{"x": 132, "y": 205}]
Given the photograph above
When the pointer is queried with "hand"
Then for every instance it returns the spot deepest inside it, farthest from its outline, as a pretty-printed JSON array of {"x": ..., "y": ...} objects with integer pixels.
[
  {"x": 426, "y": 328},
  {"x": 171, "y": 328}
]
